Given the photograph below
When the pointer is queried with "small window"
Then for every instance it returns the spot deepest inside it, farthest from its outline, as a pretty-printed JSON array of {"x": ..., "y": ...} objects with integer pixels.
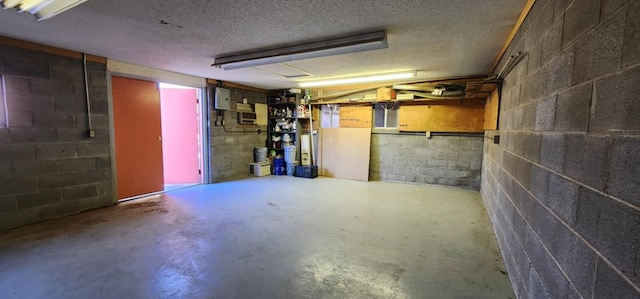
[
  {"x": 386, "y": 116},
  {"x": 3, "y": 103},
  {"x": 330, "y": 116}
]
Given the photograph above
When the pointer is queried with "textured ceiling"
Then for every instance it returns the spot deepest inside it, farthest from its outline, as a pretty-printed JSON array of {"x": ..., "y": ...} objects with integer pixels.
[{"x": 438, "y": 38}]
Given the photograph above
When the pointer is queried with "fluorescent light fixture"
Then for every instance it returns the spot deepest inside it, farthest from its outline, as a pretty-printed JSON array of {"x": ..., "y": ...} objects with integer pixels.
[
  {"x": 336, "y": 46},
  {"x": 353, "y": 80},
  {"x": 42, "y": 9}
]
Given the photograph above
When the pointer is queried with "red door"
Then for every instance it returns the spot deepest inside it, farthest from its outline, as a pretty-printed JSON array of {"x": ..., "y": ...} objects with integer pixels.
[{"x": 138, "y": 136}]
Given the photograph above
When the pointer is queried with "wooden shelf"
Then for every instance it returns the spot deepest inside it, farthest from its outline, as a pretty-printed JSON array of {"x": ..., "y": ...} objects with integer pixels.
[
  {"x": 283, "y": 104},
  {"x": 480, "y": 89},
  {"x": 278, "y": 117}
]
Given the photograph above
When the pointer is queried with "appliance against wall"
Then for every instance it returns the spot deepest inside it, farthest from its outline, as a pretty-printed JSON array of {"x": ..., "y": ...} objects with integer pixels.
[
  {"x": 247, "y": 118},
  {"x": 260, "y": 168},
  {"x": 222, "y": 99}
]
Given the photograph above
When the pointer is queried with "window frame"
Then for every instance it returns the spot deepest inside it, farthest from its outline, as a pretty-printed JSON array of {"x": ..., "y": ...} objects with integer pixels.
[
  {"x": 386, "y": 128},
  {"x": 334, "y": 110}
]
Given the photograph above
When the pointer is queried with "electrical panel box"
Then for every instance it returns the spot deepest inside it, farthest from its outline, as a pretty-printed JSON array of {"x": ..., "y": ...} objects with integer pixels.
[{"x": 222, "y": 99}]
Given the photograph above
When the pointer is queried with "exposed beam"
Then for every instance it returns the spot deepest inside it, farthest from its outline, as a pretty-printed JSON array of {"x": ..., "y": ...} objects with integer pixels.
[
  {"x": 452, "y": 81},
  {"x": 411, "y": 87}
]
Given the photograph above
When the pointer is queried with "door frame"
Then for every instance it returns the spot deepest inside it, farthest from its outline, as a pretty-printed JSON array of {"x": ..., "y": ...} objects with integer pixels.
[{"x": 205, "y": 161}]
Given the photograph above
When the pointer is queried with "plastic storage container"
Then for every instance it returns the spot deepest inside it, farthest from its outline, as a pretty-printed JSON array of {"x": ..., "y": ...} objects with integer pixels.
[
  {"x": 279, "y": 167},
  {"x": 291, "y": 168},
  {"x": 303, "y": 171},
  {"x": 290, "y": 153},
  {"x": 259, "y": 154}
]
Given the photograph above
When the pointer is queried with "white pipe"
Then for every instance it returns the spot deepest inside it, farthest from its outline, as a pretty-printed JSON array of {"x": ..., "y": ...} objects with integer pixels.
[{"x": 511, "y": 58}]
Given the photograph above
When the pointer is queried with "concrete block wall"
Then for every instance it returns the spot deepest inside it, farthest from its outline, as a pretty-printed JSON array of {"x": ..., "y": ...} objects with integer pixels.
[
  {"x": 49, "y": 167},
  {"x": 562, "y": 187},
  {"x": 232, "y": 150},
  {"x": 442, "y": 160}
]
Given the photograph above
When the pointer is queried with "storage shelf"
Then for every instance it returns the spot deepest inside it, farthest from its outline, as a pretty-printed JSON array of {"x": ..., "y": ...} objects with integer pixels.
[
  {"x": 283, "y": 104},
  {"x": 288, "y": 102},
  {"x": 278, "y": 117}
]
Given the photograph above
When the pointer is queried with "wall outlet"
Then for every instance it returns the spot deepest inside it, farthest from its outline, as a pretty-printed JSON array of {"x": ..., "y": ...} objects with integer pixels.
[
  {"x": 92, "y": 133},
  {"x": 224, "y": 123},
  {"x": 217, "y": 123}
]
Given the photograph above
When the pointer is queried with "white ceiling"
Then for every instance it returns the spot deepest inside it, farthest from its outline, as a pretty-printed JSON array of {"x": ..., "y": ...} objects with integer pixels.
[{"x": 438, "y": 38}]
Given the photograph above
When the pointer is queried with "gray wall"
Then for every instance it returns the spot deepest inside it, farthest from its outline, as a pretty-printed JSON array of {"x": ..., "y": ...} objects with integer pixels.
[
  {"x": 562, "y": 186},
  {"x": 231, "y": 153},
  {"x": 442, "y": 160},
  {"x": 48, "y": 166}
]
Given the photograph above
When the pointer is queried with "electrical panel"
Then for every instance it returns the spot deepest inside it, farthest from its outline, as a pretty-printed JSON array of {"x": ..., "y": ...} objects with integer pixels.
[{"x": 222, "y": 99}]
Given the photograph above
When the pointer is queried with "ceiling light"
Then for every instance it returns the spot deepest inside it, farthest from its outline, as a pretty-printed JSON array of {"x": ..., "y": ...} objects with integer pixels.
[
  {"x": 336, "y": 46},
  {"x": 353, "y": 80},
  {"x": 42, "y": 9}
]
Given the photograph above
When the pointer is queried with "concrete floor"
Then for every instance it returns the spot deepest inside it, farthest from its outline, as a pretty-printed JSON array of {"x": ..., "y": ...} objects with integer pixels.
[
  {"x": 269, "y": 237},
  {"x": 172, "y": 187}
]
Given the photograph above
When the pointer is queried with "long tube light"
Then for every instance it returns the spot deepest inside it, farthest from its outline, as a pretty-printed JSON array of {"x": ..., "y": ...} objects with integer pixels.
[
  {"x": 42, "y": 9},
  {"x": 336, "y": 46},
  {"x": 354, "y": 80}
]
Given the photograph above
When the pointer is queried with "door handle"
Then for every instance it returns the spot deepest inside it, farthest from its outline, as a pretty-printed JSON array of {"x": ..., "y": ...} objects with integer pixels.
[{"x": 159, "y": 138}]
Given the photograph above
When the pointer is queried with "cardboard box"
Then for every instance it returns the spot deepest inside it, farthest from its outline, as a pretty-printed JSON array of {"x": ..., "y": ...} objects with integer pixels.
[{"x": 386, "y": 93}]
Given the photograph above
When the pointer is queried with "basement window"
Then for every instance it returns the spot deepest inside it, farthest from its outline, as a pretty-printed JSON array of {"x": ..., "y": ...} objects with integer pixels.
[
  {"x": 386, "y": 115},
  {"x": 330, "y": 116},
  {"x": 3, "y": 103}
]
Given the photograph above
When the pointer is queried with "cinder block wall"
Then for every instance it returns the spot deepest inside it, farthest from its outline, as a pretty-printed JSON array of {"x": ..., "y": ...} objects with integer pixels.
[
  {"x": 562, "y": 187},
  {"x": 231, "y": 152},
  {"x": 49, "y": 167},
  {"x": 442, "y": 160}
]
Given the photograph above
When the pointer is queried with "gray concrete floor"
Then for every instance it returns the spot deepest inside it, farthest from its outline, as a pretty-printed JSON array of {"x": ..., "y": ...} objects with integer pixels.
[
  {"x": 172, "y": 187},
  {"x": 268, "y": 237}
]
